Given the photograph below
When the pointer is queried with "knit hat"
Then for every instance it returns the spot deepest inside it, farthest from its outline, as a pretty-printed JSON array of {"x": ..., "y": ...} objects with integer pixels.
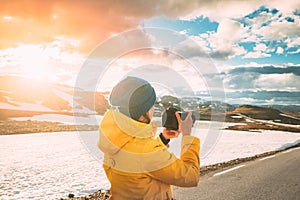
[{"x": 133, "y": 97}]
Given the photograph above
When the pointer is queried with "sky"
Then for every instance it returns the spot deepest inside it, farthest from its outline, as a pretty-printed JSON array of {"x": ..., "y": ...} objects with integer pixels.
[{"x": 253, "y": 45}]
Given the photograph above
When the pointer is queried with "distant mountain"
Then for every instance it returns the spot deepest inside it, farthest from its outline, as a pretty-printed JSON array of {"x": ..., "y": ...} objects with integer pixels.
[
  {"x": 271, "y": 114},
  {"x": 290, "y": 108},
  {"x": 24, "y": 97},
  {"x": 17, "y": 93},
  {"x": 202, "y": 109}
]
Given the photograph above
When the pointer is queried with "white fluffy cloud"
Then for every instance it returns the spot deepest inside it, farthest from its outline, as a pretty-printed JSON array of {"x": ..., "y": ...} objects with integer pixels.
[
  {"x": 295, "y": 52},
  {"x": 231, "y": 30},
  {"x": 274, "y": 29},
  {"x": 280, "y": 29},
  {"x": 260, "y": 51},
  {"x": 93, "y": 21},
  {"x": 286, "y": 7},
  {"x": 257, "y": 54},
  {"x": 219, "y": 10},
  {"x": 292, "y": 42},
  {"x": 260, "y": 47},
  {"x": 279, "y": 50},
  {"x": 262, "y": 77},
  {"x": 267, "y": 26},
  {"x": 193, "y": 47},
  {"x": 284, "y": 82},
  {"x": 224, "y": 42}
]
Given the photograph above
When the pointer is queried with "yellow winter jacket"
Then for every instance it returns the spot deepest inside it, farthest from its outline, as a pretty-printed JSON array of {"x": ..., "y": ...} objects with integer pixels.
[{"x": 139, "y": 166}]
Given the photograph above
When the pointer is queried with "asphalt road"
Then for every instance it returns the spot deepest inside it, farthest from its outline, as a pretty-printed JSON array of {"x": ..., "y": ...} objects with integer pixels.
[{"x": 273, "y": 177}]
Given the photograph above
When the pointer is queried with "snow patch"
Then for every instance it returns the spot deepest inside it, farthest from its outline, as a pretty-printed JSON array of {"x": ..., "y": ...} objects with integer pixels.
[
  {"x": 66, "y": 119},
  {"x": 25, "y": 107},
  {"x": 289, "y": 116},
  {"x": 53, "y": 165},
  {"x": 236, "y": 117}
]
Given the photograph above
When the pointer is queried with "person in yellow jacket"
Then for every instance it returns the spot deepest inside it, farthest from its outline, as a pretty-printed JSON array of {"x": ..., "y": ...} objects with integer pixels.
[{"x": 137, "y": 164}]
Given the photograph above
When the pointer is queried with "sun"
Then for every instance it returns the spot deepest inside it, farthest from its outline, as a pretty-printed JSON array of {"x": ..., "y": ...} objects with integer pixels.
[{"x": 33, "y": 61}]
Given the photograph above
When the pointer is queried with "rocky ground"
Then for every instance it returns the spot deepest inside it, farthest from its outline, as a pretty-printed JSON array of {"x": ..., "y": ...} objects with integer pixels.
[
  {"x": 99, "y": 195},
  {"x": 8, "y": 127},
  {"x": 255, "y": 126}
]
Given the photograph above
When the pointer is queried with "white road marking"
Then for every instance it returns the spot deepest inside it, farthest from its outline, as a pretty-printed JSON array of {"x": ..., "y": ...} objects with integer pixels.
[
  {"x": 267, "y": 157},
  {"x": 292, "y": 149},
  {"x": 228, "y": 170},
  {"x": 288, "y": 151}
]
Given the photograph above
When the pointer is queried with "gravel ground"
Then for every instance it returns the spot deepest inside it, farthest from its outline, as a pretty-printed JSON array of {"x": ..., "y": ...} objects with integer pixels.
[{"x": 9, "y": 127}]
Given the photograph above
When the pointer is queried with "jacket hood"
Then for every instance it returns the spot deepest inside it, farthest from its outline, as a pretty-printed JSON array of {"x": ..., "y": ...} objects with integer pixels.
[
  {"x": 130, "y": 146},
  {"x": 116, "y": 130}
]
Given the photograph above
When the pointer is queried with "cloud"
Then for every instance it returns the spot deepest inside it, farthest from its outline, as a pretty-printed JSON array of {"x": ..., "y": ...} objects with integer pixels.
[
  {"x": 294, "y": 52},
  {"x": 269, "y": 28},
  {"x": 222, "y": 44},
  {"x": 286, "y": 8},
  {"x": 278, "y": 30},
  {"x": 279, "y": 50},
  {"x": 285, "y": 82},
  {"x": 240, "y": 100},
  {"x": 218, "y": 10},
  {"x": 256, "y": 54},
  {"x": 264, "y": 97},
  {"x": 93, "y": 21},
  {"x": 90, "y": 21},
  {"x": 292, "y": 42},
  {"x": 231, "y": 30},
  {"x": 241, "y": 81},
  {"x": 293, "y": 45},
  {"x": 260, "y": 51},
  {"x": 193, "y": 47},
  {"x": 260, "y": 47},
  {"x": 232, "y": 9},
  {"x": 217, "y": 45},
  {"x": 228, "y": 53},
  {"x": 267, "y": 70},
  {"x": 265, "y": 77},
  {"x": 124, "y": 43}
]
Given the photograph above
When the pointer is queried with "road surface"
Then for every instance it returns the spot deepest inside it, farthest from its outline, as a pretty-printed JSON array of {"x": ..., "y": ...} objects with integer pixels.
[{"x": 273, "y": 177}]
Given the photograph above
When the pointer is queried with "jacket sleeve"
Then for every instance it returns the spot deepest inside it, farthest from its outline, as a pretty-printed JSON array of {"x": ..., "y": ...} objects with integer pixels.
[{"x": 183, "y": 172}]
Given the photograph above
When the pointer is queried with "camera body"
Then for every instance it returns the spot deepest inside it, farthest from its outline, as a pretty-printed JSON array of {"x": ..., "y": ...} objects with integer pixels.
[{"x": 169, "y": 120}]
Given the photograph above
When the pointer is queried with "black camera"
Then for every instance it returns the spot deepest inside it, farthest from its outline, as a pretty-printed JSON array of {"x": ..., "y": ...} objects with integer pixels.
[{"x": 169, "y": 120}]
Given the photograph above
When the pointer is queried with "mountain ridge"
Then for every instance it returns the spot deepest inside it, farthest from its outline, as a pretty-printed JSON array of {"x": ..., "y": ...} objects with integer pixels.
[
  {"x": 18, "y": 93},
  {"x": 24, "y": 97}
]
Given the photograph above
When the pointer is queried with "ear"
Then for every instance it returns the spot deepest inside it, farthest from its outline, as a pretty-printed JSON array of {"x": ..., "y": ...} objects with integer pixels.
[
  {"x": 147, "y": 113},
  {"x": 145, "y": 118}
]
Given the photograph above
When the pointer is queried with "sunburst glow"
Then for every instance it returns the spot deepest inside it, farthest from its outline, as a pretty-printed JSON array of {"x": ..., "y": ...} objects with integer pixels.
[
  {"x": 33, "y": 61},
  {"x": 8, "y": 18}
]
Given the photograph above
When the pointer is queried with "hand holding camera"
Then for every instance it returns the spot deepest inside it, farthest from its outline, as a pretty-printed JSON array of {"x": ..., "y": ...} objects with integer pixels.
[{"x": 175, "y": 121}]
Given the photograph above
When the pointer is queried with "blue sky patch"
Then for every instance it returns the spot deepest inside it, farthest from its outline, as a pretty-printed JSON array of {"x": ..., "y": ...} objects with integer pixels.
[{"x": 194, "y": 27}]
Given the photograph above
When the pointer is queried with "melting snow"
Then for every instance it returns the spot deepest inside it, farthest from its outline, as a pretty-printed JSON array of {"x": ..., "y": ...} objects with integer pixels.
[{"x": 53, "y": 165}]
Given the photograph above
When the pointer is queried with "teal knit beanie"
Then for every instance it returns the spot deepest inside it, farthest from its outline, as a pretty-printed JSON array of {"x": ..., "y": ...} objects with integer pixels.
[{"x": 133, "y": 97}]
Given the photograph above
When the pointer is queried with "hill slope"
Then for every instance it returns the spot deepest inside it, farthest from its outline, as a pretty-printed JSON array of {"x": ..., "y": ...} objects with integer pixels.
[
  {"x": 267, "y": 114},
  {"x": 17, "y": 93}
]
